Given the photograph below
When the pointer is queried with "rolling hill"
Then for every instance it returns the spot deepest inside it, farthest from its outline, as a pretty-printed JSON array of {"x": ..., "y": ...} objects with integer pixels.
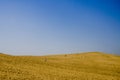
[{"x": 78, "y": 66}]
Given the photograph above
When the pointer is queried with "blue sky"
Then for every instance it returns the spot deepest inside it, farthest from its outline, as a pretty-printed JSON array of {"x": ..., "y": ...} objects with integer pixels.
[{"x": 42, "y": 27}]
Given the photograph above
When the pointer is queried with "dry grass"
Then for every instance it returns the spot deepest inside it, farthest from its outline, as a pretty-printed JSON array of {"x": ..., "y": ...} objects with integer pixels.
[{"x": 84, "y": 66}]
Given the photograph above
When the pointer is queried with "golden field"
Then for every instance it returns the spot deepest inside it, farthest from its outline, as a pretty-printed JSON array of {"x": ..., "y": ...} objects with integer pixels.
[{"x": 79, "y": 66}]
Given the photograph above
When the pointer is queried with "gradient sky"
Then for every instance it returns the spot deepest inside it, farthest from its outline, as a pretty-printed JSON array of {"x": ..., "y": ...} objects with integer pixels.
[{"x": 42, "y": 27}]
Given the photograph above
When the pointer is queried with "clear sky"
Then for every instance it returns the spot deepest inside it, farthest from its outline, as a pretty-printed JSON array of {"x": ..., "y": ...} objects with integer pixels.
[{"x": 42, "y": 27}]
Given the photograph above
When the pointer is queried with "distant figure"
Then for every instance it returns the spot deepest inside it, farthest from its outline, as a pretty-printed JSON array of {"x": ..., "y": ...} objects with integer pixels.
[{"x": 45, "y": 60}]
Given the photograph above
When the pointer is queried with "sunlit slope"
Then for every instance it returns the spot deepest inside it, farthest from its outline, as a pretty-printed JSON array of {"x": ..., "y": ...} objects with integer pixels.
[{"x": 84, "y": 66}]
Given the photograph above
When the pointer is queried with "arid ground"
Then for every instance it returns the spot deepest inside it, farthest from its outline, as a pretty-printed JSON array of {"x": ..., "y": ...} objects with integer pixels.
[{"x": 77, "y": 66}]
